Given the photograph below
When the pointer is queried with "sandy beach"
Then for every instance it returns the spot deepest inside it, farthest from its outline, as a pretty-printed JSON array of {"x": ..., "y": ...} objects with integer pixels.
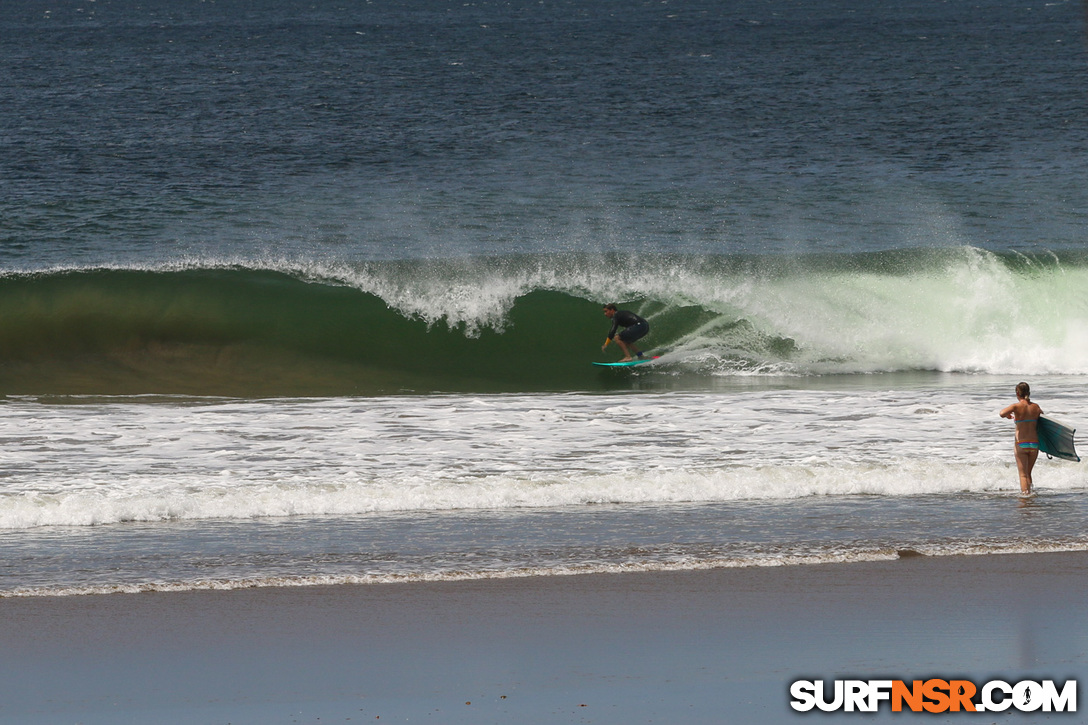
[{"x": 718, "y": 646}]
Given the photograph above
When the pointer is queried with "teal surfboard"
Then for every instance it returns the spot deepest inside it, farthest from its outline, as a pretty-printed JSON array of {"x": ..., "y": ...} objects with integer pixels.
[
  {"x": 1056, "y": 440},
  {"x": 627, "y": 364}
]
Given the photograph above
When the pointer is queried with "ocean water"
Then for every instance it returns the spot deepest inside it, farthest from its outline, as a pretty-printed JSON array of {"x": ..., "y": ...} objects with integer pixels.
[{"x": 300, "y": 293}]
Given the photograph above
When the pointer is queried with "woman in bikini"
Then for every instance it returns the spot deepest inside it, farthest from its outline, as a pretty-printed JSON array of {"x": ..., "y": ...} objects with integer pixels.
[{"x": 1026, "y": 414}]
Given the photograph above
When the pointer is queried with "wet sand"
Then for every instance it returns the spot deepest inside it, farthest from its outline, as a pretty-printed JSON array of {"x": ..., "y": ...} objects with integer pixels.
[{"x": 719, "y": 646}]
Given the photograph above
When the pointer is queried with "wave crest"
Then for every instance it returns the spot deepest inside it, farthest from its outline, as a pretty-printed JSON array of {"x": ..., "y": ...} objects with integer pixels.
[{"x": 530, "y": 323}]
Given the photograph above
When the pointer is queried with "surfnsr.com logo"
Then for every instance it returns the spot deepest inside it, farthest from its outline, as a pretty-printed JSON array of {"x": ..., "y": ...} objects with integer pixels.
[{"x": 934, "y": 695}]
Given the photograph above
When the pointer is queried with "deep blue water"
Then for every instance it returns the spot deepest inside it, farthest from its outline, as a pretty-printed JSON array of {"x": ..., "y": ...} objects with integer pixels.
[{"x": 166, "y": 130}]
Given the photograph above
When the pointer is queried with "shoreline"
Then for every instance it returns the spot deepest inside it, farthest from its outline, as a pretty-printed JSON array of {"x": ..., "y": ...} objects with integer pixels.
[
  {"x": 707, "y": 646},
  {"x": 324, "y": 581}
]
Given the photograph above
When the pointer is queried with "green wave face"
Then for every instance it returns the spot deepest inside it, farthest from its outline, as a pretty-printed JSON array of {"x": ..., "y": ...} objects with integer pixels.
[
  {"x": 263, "y": 333},
  {"x": 533, "y": 324}
]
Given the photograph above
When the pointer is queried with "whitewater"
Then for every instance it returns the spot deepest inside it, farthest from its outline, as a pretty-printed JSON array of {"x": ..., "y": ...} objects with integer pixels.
[
  {"x": 90, "y": 462},
  {"x": 661, "y": 480}
]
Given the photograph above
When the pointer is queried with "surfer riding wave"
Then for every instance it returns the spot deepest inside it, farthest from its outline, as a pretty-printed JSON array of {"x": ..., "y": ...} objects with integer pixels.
[{"x": 635, "y": 328}]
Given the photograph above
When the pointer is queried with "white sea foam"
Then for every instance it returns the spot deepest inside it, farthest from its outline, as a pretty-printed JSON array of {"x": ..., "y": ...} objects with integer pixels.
[{"x": 104, "y": 462}]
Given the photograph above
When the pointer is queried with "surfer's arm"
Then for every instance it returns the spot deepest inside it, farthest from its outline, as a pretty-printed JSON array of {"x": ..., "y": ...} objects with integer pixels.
[
  {"x": 1007, "y": 412},
  {"x": 611, "y": 333}
]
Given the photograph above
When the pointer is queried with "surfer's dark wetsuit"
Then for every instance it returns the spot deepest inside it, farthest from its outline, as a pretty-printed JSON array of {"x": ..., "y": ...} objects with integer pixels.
[{"x": 635, "y": 328}]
